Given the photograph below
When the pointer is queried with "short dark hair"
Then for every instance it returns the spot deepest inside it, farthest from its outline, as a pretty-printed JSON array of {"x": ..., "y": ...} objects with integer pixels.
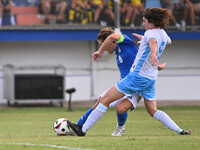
[
  {"x": 158, "y": 16},
  {"x": 104, "y": 33}
]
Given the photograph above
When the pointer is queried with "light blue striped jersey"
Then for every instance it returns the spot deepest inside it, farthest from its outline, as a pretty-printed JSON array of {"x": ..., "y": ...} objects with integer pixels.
[{"x": 142, "y": 64}]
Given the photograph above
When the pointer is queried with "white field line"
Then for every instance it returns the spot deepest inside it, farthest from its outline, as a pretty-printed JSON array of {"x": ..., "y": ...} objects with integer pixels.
[{"x": 45, "y": 145}]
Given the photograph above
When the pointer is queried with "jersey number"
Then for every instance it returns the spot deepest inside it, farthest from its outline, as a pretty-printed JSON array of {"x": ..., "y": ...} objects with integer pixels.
[
  {"x": 161, "y": 48},
  {"x": 120, "y": 59}
]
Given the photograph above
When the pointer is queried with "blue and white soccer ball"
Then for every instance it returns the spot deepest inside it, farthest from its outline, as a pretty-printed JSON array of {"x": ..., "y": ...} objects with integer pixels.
[{"x": 61, "y": 127}]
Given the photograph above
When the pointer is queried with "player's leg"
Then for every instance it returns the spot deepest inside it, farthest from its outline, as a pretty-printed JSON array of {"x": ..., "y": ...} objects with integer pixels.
[
  {"x": 121, "y": 118},
  {"x": 128, "y": 103},
  {"x": 85, "y": 116},
  {"x": 112, "y": 95},
  {"x": 116, "y": 92},
  {"x": 151, "y": 107},
  {"x": 163, "y": 117},
  {"x": 121, "y": 111}
]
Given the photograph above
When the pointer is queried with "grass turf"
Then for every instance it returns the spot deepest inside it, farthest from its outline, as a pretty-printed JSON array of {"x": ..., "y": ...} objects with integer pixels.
[{"x": 31, "y": 128}]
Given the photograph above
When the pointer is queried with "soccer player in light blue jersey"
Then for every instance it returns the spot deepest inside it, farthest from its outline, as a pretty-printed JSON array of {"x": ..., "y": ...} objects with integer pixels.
[
  {"x": 125, "y": 50},
  {"x": 142, "y": 76}
]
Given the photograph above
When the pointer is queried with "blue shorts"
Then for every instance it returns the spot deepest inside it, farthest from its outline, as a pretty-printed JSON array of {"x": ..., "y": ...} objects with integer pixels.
[{"x": 133, "y": 83}]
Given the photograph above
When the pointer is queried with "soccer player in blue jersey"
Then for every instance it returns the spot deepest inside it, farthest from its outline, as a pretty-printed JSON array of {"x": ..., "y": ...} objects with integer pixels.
[
  {"x": 142, "y": 75},
  {"x": 125, "y": 50}
]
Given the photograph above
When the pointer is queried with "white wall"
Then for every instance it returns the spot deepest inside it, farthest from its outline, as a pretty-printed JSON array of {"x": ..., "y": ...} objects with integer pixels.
[
  {"x": 179, "y": 81},
  {"x": 74, "y": 55},
  {"x": 181, "y": 78}
]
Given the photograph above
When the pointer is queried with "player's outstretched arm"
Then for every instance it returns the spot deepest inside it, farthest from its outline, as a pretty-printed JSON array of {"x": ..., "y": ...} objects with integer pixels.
[
  {"x": 97, "y": 55},
  {"x": 106, "y": 46},
  {"x": 153, "y": 49},
  {"x": 138, "y": 36}
]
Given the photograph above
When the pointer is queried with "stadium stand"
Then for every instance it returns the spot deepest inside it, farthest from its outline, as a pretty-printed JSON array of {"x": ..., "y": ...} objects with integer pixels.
[
  {"x": 27, "y": 14},
  {"x": 25, "y": 2},
  {"x": 6, "y": 19}
]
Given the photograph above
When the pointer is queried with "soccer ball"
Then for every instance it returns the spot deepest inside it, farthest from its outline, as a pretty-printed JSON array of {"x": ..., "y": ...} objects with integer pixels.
[{"x": 61, "y": 127}]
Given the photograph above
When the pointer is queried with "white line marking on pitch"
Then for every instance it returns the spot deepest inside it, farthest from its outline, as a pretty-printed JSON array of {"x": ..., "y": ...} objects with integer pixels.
[{"x": 46, "y": 145}]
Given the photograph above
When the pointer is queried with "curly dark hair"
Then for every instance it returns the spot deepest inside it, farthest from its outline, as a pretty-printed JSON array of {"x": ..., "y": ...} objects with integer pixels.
[
  {"x": 158, "y": 16},
  {"x": 104, "y": 33}
]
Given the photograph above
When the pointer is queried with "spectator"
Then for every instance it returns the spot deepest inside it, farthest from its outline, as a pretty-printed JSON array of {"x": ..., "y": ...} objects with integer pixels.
[
  {"x": 137, "y": 7},
  {"x": 194, "y": 8},
  {"x": 158, "y": 4},
  {"x": 55, "y": 7},
  {"x": 61, "y": 6},
  {"x": 125, "y": 10},
  {"x": 99, "y": 6},
  {"x": 82, "y": 10},
  {"x": 80, "y": 4},
  {"x": 6, "y": 7},
  {"x": 178, "y": 5}
]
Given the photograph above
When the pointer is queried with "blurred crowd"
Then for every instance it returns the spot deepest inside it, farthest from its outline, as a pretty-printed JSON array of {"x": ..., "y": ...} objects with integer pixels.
[{"x": 101, "y": 12}]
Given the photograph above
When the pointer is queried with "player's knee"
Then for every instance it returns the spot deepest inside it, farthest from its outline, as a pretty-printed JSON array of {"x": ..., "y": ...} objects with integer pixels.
[
  {"x": 105, "y": 101},
  {"x": 121, "y": 110}
]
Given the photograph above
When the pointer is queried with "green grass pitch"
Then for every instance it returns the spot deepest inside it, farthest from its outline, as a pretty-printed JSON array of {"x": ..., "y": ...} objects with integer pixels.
[{"x": 32, "y": 129}]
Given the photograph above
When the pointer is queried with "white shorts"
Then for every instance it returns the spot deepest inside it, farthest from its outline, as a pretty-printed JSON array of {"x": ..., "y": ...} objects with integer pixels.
[{"x": 132, "y": 98}]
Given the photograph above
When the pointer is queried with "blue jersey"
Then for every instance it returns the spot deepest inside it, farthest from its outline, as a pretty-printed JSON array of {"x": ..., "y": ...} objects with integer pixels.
[{"x": 126, "y": 52}]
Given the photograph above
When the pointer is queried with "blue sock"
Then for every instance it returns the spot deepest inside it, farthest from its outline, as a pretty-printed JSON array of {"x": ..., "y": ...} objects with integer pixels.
[
  {"x": 84, "y": 117},
  {"x": 122, "y": 118}
]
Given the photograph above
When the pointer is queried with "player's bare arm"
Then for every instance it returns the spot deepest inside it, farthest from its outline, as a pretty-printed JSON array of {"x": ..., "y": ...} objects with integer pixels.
[
  {"x": 106, "y": 46},
  {"x": 138, "y": 36},
  {"x": 153, "y": 49}
]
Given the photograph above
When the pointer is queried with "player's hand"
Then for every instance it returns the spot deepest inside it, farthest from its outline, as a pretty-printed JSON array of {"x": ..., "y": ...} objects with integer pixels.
[
  {"x": 161, "y": 66},
  {"x": 154, "y": 60},
  {"x": 97, "y": 55},
  {"x": 138, "y": 36}
]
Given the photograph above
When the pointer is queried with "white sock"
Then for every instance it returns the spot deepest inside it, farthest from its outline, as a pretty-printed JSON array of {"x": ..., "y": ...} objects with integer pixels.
[
  {"x": 0, "y": 21},
  {"x": 167, "y": 121},
  {"x": 96, "y": 114},
  {"x": 12, "y": 21}
]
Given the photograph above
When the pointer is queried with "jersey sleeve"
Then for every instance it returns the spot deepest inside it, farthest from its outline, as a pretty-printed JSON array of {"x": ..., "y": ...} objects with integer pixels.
[
  {"x": 168, "y": 40},
  {"x": 149, "y": 35},
  {"x": 121, "y": 39}
]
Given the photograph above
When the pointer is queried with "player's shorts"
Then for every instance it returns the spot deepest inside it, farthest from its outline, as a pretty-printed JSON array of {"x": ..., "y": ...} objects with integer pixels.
[
  {"x": 132, "y": 98},
  {"x": 133, "y": 83}
]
